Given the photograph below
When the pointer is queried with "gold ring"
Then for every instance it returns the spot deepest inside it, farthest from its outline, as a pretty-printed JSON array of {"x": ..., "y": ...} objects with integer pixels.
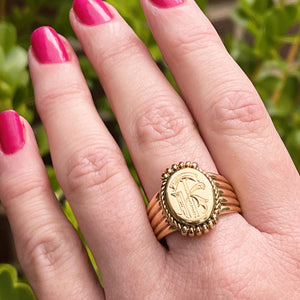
[{"x": 190, "y": 201}]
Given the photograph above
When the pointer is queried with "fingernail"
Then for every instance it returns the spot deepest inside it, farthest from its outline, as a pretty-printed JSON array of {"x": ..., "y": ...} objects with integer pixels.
[
  {"x": 11, "y": 132},
  {"x": 48, "y": 47},
  {"x": 92, "y": 12},
  {"x": 167, "y": 3}
]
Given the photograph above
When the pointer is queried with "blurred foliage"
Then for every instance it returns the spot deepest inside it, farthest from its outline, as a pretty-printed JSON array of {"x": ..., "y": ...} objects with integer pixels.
[
  {"x": 266, "y": 49},
  {"x": 14, "y": 77},
  {"x": 10, "y": 287}
]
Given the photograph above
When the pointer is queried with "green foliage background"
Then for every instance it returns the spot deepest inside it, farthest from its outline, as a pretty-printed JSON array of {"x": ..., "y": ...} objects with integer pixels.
[
  {"x": 10, "y": 286},
  {"x": 267, "y": 50}
]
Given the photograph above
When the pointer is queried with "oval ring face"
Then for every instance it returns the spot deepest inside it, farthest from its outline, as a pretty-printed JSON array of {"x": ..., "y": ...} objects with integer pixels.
[{"x": 190, "y": 196}]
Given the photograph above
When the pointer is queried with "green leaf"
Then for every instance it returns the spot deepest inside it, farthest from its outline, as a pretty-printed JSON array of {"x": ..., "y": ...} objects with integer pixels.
[
  {"x": 202, "y": 4},
  {"x": 243, "y": 54},
  {"x": 14, "y": 68},
  {"x": 8, "y": 36},
  {"x": 18, "y": 78},
  {"x": 54, "y": 182},
  {"x": 88, "y": 72},
  {"x": 266, "y": 86},
  {"x": 10, "y": 287},
  {"x": 240, "y": 17},
  {"x": 262, "y": 6},
  {"x": 280, "y": 19},
  {"x": 23, "y": 103},
  {"x": 15, "y": 60},
  {"x": 69, "y": 214},
  {"x": 257, "y": 6},
  {"x": 155, "y": 52},
  {"x": 290, "y": 89},
  {"x": 5, "y": 90},
  {"x": 42, "y": 140}
]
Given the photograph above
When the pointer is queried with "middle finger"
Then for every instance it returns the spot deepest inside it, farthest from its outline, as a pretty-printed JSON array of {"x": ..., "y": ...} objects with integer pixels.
[{"x": 155, "y": 122}]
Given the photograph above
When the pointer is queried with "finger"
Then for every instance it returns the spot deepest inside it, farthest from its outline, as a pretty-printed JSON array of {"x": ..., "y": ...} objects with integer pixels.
[
  {"x": 232, "y": 119},
  {"x": 48, "y": 248},
  {"x": 156, "y": 124},
  {"x": 90, "y": 167}
]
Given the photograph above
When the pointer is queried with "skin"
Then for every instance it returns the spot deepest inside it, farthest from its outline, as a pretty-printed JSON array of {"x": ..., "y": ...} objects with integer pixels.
[{"x": 253, "y": 255}]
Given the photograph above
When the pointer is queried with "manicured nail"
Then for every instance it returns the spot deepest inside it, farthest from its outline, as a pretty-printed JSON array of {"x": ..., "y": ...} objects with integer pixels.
[
  {"x": 48, "y": 47},
  {"x": 167, "y": 3},
  {"x": 11, "y": 132},
  {"x": 92, "y": 12}
]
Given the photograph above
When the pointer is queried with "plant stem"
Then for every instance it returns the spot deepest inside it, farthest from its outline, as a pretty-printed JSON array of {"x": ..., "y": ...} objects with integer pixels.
[{"x": 293, "y": 51}]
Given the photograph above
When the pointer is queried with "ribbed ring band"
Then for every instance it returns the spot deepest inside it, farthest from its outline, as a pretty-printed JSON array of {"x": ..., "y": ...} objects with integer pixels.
[{"x": 190, "y": 201}]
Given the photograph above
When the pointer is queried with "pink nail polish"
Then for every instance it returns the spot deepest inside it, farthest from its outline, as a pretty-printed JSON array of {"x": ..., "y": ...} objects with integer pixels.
[
  {"x": 92, "y": 12},
  {"x": 167, "y": 3},
  {"x": 11, "y": 132},
  {"x": 48, "y": 47}
]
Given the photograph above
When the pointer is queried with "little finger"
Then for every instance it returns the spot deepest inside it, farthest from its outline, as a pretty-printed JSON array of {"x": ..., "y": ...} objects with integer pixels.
[{"x": 49, "y": 250}]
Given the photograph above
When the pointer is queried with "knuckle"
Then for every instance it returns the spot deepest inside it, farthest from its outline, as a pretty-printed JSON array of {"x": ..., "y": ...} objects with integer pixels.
[
  {"x": 47, "y": 250},
  {"x": 31, "y": 187},
  {"x": 68, "y": 90},
  {"x": 194, "y": 39},
  {"x": 128, "y": 46},
  {"x": 239, "y": 112},
  {"x": 93, "y": 169},
  {"x": 159, "y": 123},
  {"x": 44, "y": 252}
]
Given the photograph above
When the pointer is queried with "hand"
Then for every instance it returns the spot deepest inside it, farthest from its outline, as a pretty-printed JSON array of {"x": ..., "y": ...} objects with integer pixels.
[{"x": 255, "y": 254}]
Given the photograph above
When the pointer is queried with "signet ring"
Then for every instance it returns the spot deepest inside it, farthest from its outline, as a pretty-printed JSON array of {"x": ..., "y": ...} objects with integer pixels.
[{"x": 190, "y": 201}]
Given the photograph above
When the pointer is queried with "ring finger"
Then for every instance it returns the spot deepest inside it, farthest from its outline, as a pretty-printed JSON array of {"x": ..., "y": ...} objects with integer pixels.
[{"x": 90, "y": 166}]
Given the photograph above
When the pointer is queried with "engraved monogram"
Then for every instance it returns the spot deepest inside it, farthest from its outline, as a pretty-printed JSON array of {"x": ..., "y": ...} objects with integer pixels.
[
  {"x": 191, "y": 203},
  {"x": 190, "y": 195}
]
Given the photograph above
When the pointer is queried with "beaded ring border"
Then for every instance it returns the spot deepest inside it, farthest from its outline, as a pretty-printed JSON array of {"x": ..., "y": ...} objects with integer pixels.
[{"x": 164, "y": 220}]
